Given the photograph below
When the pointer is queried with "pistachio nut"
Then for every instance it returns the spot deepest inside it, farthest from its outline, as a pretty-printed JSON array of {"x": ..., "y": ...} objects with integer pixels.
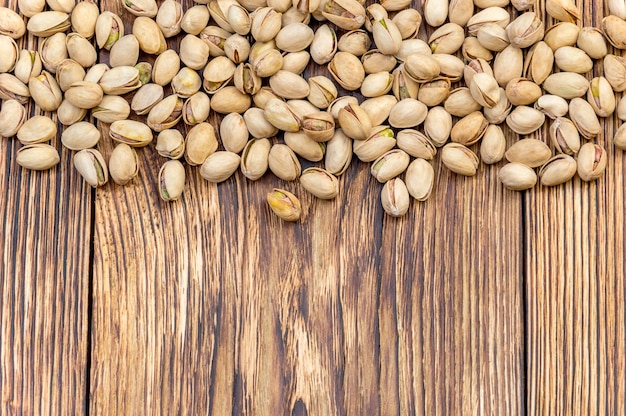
[
  {"x": 564, "y": 136},
  {"x": 390, "y": 165},
  {"x": 12, "y": 117},
  {"x": 234, "y": 132},
  {"x": 217, "y": 74},
  {"x": 421, "y": 68},
  {"x": 492, "y": 145},
  {"x": 621, "y": 109},
  {"x": 146, "y": 98},
  {"x": 592, "y": 41},
  {"x": 280, "y": 115},
  {"x": 230, "y": 100},
  {"x": 196, "y": 108},
  {"x": 472, "y": 49},
  {"x": 45, "y": 91},
  {"x": 355, "y": 122},
  {"x": 484, "y": 89},
  {"x": 435, "y": 12},
  {"x": 411, "y": 46},
  {"x": 347, "y": 70},
  {"x": 52, "y": 51},
  {"x": 403, "y": 85},
  {"x": 584, "y": 117},
  {"x": 375, "y": 85},
  {"x": 459, "y": 159},
  {"x": 284, "y": 204},
  {"x": 322, "y": 91},
  {"x": 267, "y": 62},
  {"x": 619, "y": 139},
  {"x": 319, "y": 126},
  {"x": 239, "y": 19},
  {"x": 447, "y": 39},
  {"x": 37, "y": 156},
  {"x": 420, "y": 179},
  {"x": 387, "y": 36},
  {"x": 395, "y": 196},
  {"x": 499, "y": 112},
  {"x": 255, "y": 158},
  {"x": 571, "y": 59},
  {"x": 530, "y": 152},
  {"x": 591, "y": 161},
  {"x": 379, "y": 141},
  {"x": 219, "y": 166},
  {"x": 171, "y": 180},
  {"x": 561, "y": 34},
  {"x": 521, "y": 91},
  {"x": 68, "y": 72},
  {"x": 109, "y": 28},
  {"x": 525, "y": 30},
  {"x": 296, "y": 62},
  {"x": 600, "y": 96},
  {"x": 517, "y": 177},
  {"x": 37, "y": 129},
  {"x": 263, "y": 96},
  {"x": 320, "y": 183},
  {"x": 9, "y": 51},
  {"x": 84, "y": 17},
  {"x": 266, "y": 23},
  {"x": 486, "y": 16},
  {"x": 195, "y": 19},
  {"x": 324, "y": 45},
  {"x": 294, "y": 37},
  {"x": 257, "y": 124},
  {"x": 27, "y": 65},
  {"x": 131, "y": 132},
  {"x": 375, "y": 61},
  {"x": 289, "y": 85},
  {"x": 304, "y": 146},
  {"x": 283, "y": 162},
  {"x": 408, "y": 113},
  {"x": 171, "y": 144},
  {"x": 508, "y": 65},
  {"x": 615, "y": 71},
  {"x": 123, "y": 164},
  {"x": 92, "y": 167},
  {"x": 617, "y": 8},
  {"x": 340, "y": 103},
  {"x": 150, "y": 37},
  {"x": 219, "y": 12},
  {"x": 84, "y": 94},
  {"x": 379, "y": 108},
  {"x": 522, "y": 5},
  {"x": 69, "y": 114},
  {"x": 552, "y": 106},
  {"x": 120, "y": 80},
  {"x": 563, "y": 10},
  {"x": 194, "y": 52},
  {"x": 145, "y": 72},
  {"x": 169, "y": 18},
  {"x": 302, "y": 107},
  {"x": 559, "y": 169},
  {"x": 356, "y": 42},
  {"x": 81, "y": 50},
  {"x": 416, "y": 144},
  {"x": 539, "y": 62},
  {"x": 614, "y": 29},
  {"x": 566, "y": 85},
  {"x": 460, "y": 11},
  {"x": 28, "y": 8},
  {"x": 338, "y": 153},
  {"x": 461, "y": 103},
  {"x": 346, "y": 14},
  {"x": 525, "y": 120},
  {"x": 438, "y": 125},
  {"x": 483, "y": 4},
  {"x": 201, "y": 142},
  {"x": 470, "y": 129},
  {"x": 166, "y": 113},
  {"x": 237, "y": 48},
  {"x": 79, "y": 136},
  {"x": 42, "y": 24},
  {"x": 95, "y": 73},
  {"x": 493, "y": 37},
  {"x": 141, "y": 7},
  {"x": 125, "y": 52},
  {"x": 476, "y": 66},
  {"x": 12, "y": 88},
  {"x": 186, "y": 83}
]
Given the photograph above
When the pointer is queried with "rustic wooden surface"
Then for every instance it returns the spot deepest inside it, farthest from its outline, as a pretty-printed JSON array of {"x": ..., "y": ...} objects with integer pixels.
[{"x": 479, "y": 301}]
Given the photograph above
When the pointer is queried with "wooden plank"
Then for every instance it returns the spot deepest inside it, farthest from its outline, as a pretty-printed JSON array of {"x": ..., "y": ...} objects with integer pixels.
[
  {"x": 45, "y": 230},
  {"x": 575, "y": 299}
]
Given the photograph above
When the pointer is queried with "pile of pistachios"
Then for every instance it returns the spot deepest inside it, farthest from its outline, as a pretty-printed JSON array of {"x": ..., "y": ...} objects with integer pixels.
[{"x": 488, "y": 66}]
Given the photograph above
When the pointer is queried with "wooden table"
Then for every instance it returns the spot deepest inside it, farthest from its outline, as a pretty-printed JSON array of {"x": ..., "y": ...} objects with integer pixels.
[{"x": 480, "y": 301}]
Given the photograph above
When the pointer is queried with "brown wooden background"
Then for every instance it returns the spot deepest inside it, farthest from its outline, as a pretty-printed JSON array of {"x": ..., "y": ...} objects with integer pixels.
[{"x": 481, "y": 301}]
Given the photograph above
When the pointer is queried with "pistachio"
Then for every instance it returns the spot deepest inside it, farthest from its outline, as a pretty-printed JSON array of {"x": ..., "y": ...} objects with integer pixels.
[
  {"x": 53, "y": 50},
  {"x": 171, "y": 180},
  {"x": 200, "y": 143},
  {"x": 435, "y": 12},
  {"x": 289, "y": 85},
  {"x": 267, "y": 62},
  {"x": 69, "y": 114},
  {"x": 460, "y": 11},
  {"x": 592, "y": 42},
  {"x": 322, "y": 91},
  {"x": 42, "y": 24},
  {"x": 338, "y": 153},
  {"x": 484, "y": 89},
  {"x": 563, "y": 10},
  {"x": 12, "y": 88},
  {"x": 470, "y": 129},
  {"x": 461, "y": 103},
  {"x": 81, "y": 50},
  {"x": 302, "y": 108},
  {"x": 233, "y": 132},
  {"x": 521, "y": 91},
  {"x": 552, "y": 106},
  {"x": 433, "y": 93},
  {"x": 530, "y": 152},
  {"x": 416, "y": 144},
  {"x": 559, "y": 169},
  {"x": 411, "y": 46},
  {"x": 407, "y": 113},
  {"x": 492, "y": 145},
  {"x": 149, "y": 36},
  {"x": 237, "y": 48},
  {"x": 196, "y": 108},
  {"x": 194, "y": 52},
  {"x": 169, "y": 18},
  {"x": 320, "y": 183},
  {"x": 447, "y": 39},
  {"x": 109, "y": 28},
  {"x": 255, "y": 158},
  {"x": 170, "y": 144},
  {"x": 294, "y": 37},
  {"x": 37, "y": 156},
  {"x": 375, "y": 85},
  {"x": 615, "y": 72},
  {"x": 379, "y": 108},
  {"x": 284, "y": 204},
  {"x": 9, "y": 51},
  {"x": 146, "y": 98},
  {"x": 451, "y": 68},
  {"x": 614, "y": 29},
  {"x": 324, "y": 45},
  {"x": 571, "y": 59},
  {"x": 220, "y": 166},
  {"x": 600, "y": 96},
  {"x": 92, "y": 167},
  {"x": 84, "y": 17},
  {"x": 525, "y": 120},
  {"x": 346, "y": 14},
  {"x": 95, "y": 73},
  {"x": 123, "y": 164},
  {"x": 37, "y": 129},
  {"x": 296, "y": 62},
  {"x": 195, "y": 19},
  {"x": 420, "y": 178},
  {"x": 340, "y": 103},
  {"x": 125, "y": 52},
  {"x": 564, "y": 136},
  {"x": 499, "y": 112},
  {"x": 539, "y": 63},
  {"x": 28, "y": 8},
  {"x": 621, "y": 109},
  {"x": 145, "y": 72},
  {"x": 356, "y": 42},
  {"x": 591, "y": 162},
  {"x": 84, "y": 94},
  {"x": 387, "y": 36},
  {"x": 508, "y": 65},
  {"x": 355, "y": 122},
  {"x": 517, "y": 177},
  {"x": 12, "y": 117},
  {"x": 45, "y": 91},
  {"x": 379, "y": 141},
  {"x": 472, "y": 49},
  {"x": 375, "y": 61},
  {"x": 561, "y": 34},
  {"x": 230, "y": 100},
  {"x": 186, "y": 83},
  {"x": 395, "y": 198},
  {"x": 239, "y": 19},
  {"x": 257, "y": 124},
  {"x": 476, "y": 66},
  {"x": 217, "y": 74},
  {"x": 120, "y": 80},
  {"x": 79, "y": 136},
  {"x": 486, "y": 16},
  {"x": 584, "y": 117},
  {"x": 219, "y": 12},
  {"x": 566, "y": 85},
  {"x": 493, "y": 37},
  {"x": 617, "y": 8},
  {"x": 283, "y": 162},
  {"x": 141, "y": 7},
  {"x": 133, "y": 133},
  {"x": 525, "y": 30},
  {"x": 319, "y": 126},
  {"x": 421, "y": 67},
  {"x": 390, "y": 165},
  {"x": 266, "y": 23},
  {"x": 27, "y": 65},
  {"x": 347, "y": 70},
  {"x": 438, "y": 125},
  {"x": 619, "y": 139},
  {"x": 279, "y": 114},
  {"x": 304, "y": 146}
]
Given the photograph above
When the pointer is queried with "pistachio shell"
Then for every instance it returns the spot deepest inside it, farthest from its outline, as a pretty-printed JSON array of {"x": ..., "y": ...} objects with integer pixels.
[
  {"x": 37, "y": 156},
  {"x": 123, "y": 164}
]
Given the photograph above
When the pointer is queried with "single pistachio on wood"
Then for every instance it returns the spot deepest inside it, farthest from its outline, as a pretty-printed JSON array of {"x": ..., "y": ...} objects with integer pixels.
[
  {"x": 499, "y": 112},
  {"x": 563, "y": 10},
  {"x": 123, "y": 164},
  {"x": 146, "y": 98},
  {"x": 592, "y": 41},
  {"x": 530, "y": 152},
  {"x": 29, "y": 8},
  {"x": 434, "y": 92},
  {"x": 84, "y": 94},
  {"x": 220, "y": 166},
  {"x": 296, "y": 62},
  {"x": 355, "y": 122},
  {"x": 539, "y": 62},
  {"x": 170, "y": 144},
  {"x": 447, "y": 39},
  {"x": 421, "y": 68},
  {"x": 591, "y": 162},
  {"x": 395, "y": 197},
  {"x": 37, "y": 129},
  {"x": 438, "y": 126},
  {"x": 571, "y": 59},
  {"x": 375, "y": 61},
  {"x": 379, "y": 141},
  {"x": 566, "y": 85},
  {"x": 525, "y": 120},
  {"x": 9, "y": 51},
  {"x": 194, "y": 52},
  {"x": 283, "y": 162},
  {"x": 508, "y": 65},
  {"x": 320, "y": 183},
  {"x": 407, "y": 113},
  {"x": 435, "y": 12},
  {"x": 461, "y": 103},
  {"x": 12, "y": 117},
  {"x": 120, "y": 80},
  {"x": 169, "y": 18},
  {"x": 200, "y": 143},
  {"x": 125, "y": 52},
  {"x": 347, "y": 70},
  {"x": 517, "y": 177},
  {"x": 379, "y": 108},
  {"x": 37, "y": 156},
  {"x": 319, "y": 126},
  {"x": 42, "y": 24},
  {"x": 79, "y": 136},
  {"x": 255, "y": 158},
  {"x": 257, "y": 124},
  {"x": 492, "y": 145},
  {"x": 304, "y": 146},
  {"x": 459, "y": 159},
  {"x": 131, "y": 132},
  {"x": 324, "y": 45},
  {"x": 338, "y": 154},
  {"x": 356, "y": 42},
  {"x": 12, "y": 88},
  {"x": 81, "y": 50},
  {"x": 525, "y": 30},
  {"x": 561, "y": 34},
  {"x": 411, "y": 46},
  {"x": 195, "y": 19},
  {"x": 284, "y": 204},
  {"x": 460, "y": 11},
  {"x": 564, "y": 136},
  {"x": 420, "y": 179},
  {"x": 27, "y": 65},
  {"x": 486, "y": 16},
  {"x": 521, "y": 91},
  {"x": 217, "y": 74},
  {"x": 141, "y": 7},
  {"x": 196, "y": 108},
  {"x": 150, "y": 36},
  {"x": 600, "y": 96},
  {"x": 552, "y": 106},
  {"x": 416, "y": 144},
  {"x": 45, "y": 91},
  {"x": 559, "y": 169},
  {"x": 52, "y": 51},
  {"x": 92, "y": 167},
  {"x": 390, "y": 165},
  {"x": 69, "y": 114},
  {"x": 234, "y": 132},
  {"x": 584, "y": 117},
  {"x": 346, "y": 14},
  {"x": 230, "y": 100},
  {"x": 493, "y": 37},
  {"x": 484, "y": 89},
  {"x": 470, "y": 129},
  {"x": 472, "y": 49},
  {"x": 109, "y": 28},
  {"x": 84, "y": 17},
  {"x": 171, "y": 180}
]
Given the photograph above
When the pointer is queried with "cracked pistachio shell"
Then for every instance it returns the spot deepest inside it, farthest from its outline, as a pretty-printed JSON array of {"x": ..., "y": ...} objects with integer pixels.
[
  {"x": 111, "y": 108},
  {"x": 201, "y": 142},
  {"x": 81, "y": 50},
  {"x": 459, "y": 159},
  {"x": 293, "y": 15},
  {"x": 234, "y": 132},
  {"x": 65, "y": 6},
  {"x": 408, "y": 22},
  {"x": 69, "y": 114},
  {"x": 472, "y": 49},
  {"x": 150, "y": 36},
  {"x": 411, "y": 46},
  {"x": 84, "y": 17},
  {"x": 237, "y": 48},
  {"x": 219, "y": 11},
  {"x": 320, "y": 183},
  {"x": 561, "y": 34},
  {"x": 120, "y": 80},
  {"x": 68, "y": 72},
  {"x": 171, "y": 144},
  {"x": 304, "y": 146},
  {"x": 255, "y": 158},
  {"x": 375, "y": 61},
  {"x": 109, "y": 28},
  {"x": 12, "y": 88},
  {"x": 476, "y": 66},
  {"x": 530, "y": 152},
  {"x": 79, "y": 136},
  {"x": 29, "y": 8},
  {"x": 196, "y": 108},
  {"x": 289, "y": 85},
  {"x": 435, "y": 12},
  {"x": 340, "y": 103},
  {"x": 338, "y": 153},
  {"x": 592, "y": 41},
  {"x": 84, "y": 94},
  {"x": 379, "y": 141},
  {"x": 498, "y": 113},
  {"x": 52, "y": 51},
  {"x": 584, "y": 117},
  {"x": 387, "y": 36},
  {"x": 12, "y": 117},
  {"x": 169, "y": 18},
  {"x": 283, "y": 162},
  {"x": 525, "y": 30},
  {"x": 617, "y": 8},
  {"x": 521, "y": 91},
  {"x": 322, "y": 91},
  {"x": 571, "y": 59},
  {"x": 438, "y": 125},
  {"x": 600, "y": 96},
  {"x": 517, "y": 177},
  {"x": 296, "y": 62},
  {"x": 492, "y": 145},
  {"x": 281, "y": 5},
  {"x": 403, "y": 86},
  {"x": 563, "y": 10},
  {"x": 266, "y": 23},
  {"x": 416, "y": 144},
  {"x": 434, "y": 92},
  {"x": 447, "y": 39},
  {"x": 566, "y": 85},
  {"x": 493, "y": 37},
  {"x": 217, "y": 74},
  {"x": 42, "y": 24},
  {"x": 45, "y": 91},
  {"x": 375, "y": 85},
  {"x": 239, "y": 19},
  {"x": 92, "y": 167},
  {"x": 346, "y": 14},
  {"x": 559, "y": 169},
  {"x": 166, "y": 113},
  {"x": 171, "y": 180},
  {"x": 470, "y": 129},
  {"x": 460, "y": 102},
  {"x": 552, "y": 106},
  {"x": 125, "y": 52},
  {"x": 257, "y": 124},
  {"x": 284, "y": 204},
  {"x": 186, "y": 83},
  {"x": 95, "y": 73},
  {"x": 9, "y": 52},
  {"x": 357, "y": 42},
  {"x": 37, "y": 129},
  {"x": 354, "y": 122},
  {"x": 141, "y": 7},
  {"x": 131, "y": 132},
  {"x": 230, "y": 100},
  {"x": 324, "y": 45},
  {"x": 564, "y": 136},
  {"x": 220, "y": 166},
  {"x": 347, "y": 70},
  {"x": 319, "y": 126},
  {"x": 195, "y": 19},
  {"x": 486, "y": 16},
  {"x": 508, "y": 65},
  {"x": 408, "y": 113},
  {"x": 539, "y": 62},
  {"x": 615, "y": 71},
  {"x": 28, "y": 65},
  {"x": 619, "y": 139},
  {"x": 302, "y": 108},
  {"x": 146, "y": 98},
  {"x": 145, "y": 72},
  {"x": 420, "y": 179},
  {"x": 123, "y": 164},
  {"x": 390, "y": 165},
  {"x": 525, "y": 120},
  {"x": 281, "y": 116},
  {"x": 395, "y": 197},
  {"x": 37, "y": 156},
  {"x": 421, "y": 67},
  {"x": 294, "y": 37},
  {"x": 267, "y": 62},
  {"x": 591, "y": 161},
  {"x": 379, "y": 108}
]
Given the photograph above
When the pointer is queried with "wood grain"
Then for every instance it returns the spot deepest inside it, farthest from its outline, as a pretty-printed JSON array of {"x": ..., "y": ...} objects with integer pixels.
[{"x": 45, "y": 232}]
